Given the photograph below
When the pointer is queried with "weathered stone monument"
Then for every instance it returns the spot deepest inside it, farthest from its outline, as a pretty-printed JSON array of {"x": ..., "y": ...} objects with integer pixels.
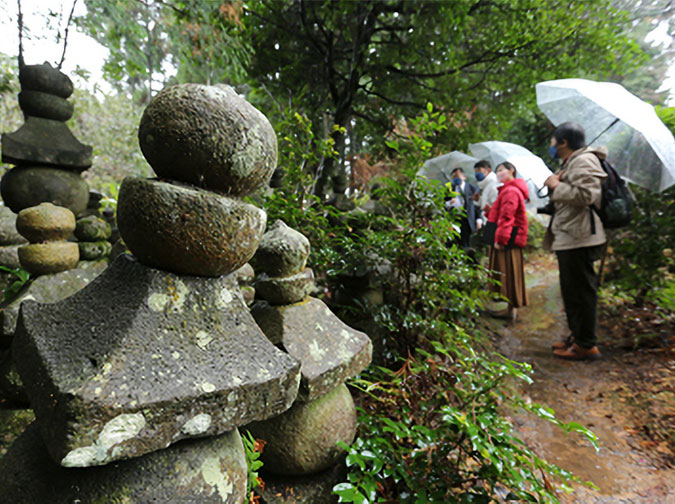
[
  {"x": 48, "y": 158},
  {"x": 161, "y": 346},
  {"x": 301, "y": 443}
]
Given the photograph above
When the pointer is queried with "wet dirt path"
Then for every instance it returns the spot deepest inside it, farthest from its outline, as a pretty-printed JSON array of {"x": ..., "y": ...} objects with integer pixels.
[{"x": 581, "y": 392}]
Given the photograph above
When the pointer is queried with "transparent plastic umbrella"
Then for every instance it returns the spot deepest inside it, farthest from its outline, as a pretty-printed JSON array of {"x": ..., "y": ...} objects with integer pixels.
[
  {"x": 439, "y": 168},
  {"x": 529, "y": 167},
  {"x": 640, "y": 146}
]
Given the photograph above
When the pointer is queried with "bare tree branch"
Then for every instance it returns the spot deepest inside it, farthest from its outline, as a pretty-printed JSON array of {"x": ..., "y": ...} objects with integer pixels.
[
  {"x": 20, "y": 23},
  {"x": 65, "y": 35},
  {"x": 392, "y": 101}
]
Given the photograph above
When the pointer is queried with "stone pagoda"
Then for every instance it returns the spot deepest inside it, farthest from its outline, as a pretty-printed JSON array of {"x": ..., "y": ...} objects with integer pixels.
[
  {"x": 48, "y": 158},
  {"x": 301, "y": 456},
  {"x": 140, "y": 380}
]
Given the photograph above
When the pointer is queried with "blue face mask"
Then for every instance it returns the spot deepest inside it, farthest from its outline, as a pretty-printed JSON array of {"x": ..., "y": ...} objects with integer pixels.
[
  {"x": 456, "y": 181},
  {"x": 480, "y": 176},
  {"x": 553, "y": 151}
]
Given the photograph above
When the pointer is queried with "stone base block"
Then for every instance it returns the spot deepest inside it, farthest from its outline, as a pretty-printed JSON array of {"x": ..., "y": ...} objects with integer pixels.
[
  {"x": 48, "y": 289},
  {"x": 45, "y": 141},
  {"x": 330, "y": 351},
  {"x": 142, "y": 358},
  {"x": 211, "y": 470}
]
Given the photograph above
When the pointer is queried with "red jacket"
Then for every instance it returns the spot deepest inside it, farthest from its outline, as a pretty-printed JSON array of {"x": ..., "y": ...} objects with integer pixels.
[{"x": 509, "y": 214}]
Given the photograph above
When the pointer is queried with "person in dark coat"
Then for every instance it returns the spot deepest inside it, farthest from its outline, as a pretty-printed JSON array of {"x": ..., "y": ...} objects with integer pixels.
[
  {"x": 468, "y": 195},
  {"x": 506, "y": 254}
]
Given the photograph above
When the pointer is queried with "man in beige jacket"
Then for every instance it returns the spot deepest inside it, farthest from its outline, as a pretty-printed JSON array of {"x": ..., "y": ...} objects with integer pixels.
[{"x": 576, "y": 235}]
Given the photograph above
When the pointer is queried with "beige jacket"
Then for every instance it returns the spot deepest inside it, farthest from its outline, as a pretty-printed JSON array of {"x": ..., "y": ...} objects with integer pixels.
[{"x": 580, "y": 187}]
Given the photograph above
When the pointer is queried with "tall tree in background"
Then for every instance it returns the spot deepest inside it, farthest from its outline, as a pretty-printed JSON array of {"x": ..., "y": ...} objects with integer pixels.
[
  {"x": 207, "y": 42},
  {"x": 647, "y": 16},
  {"x": 136, "y": 32},
  {"x": 367, "y": 64},
  {"x": 199, "y": 41}
]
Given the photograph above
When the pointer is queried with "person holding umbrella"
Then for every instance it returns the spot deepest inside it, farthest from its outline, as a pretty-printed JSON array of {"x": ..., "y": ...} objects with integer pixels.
[
  {"x": 465, "y": 195},
  {"x": 506, "y": 255},
  {"x": 575, "y": 233}
]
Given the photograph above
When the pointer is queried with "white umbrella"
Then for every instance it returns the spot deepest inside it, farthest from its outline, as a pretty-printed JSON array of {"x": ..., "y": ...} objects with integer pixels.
[
  {"x": 440, "y": 168},
  {"x": 641, "y": 147},
  {"x": 528, "y": 166}
]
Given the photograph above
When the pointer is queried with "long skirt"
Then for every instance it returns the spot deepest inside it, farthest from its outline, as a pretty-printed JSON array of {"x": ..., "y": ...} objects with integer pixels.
[{"x": 507, "y": 267}]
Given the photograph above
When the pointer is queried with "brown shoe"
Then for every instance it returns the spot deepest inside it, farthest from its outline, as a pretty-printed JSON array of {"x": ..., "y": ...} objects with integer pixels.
[
  {"x": 575, "y": 352},
  {"x": 564, "y": 344}
]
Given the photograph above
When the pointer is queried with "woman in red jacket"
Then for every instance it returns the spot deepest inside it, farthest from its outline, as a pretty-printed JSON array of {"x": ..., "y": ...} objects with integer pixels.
[{"x": 506, "y": 254}]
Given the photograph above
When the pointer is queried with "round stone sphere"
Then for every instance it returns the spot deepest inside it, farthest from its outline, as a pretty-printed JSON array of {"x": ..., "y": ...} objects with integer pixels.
[
  {"x": 45, "y": 78},
  {"x": 210, "y": 137},
  {"x": 27, "y": 187},
  {"x": 52, "y": 257},
  {"x": 209, "y": 470},
  {"x": 45, "y": 222},
  {"x": 185, "y": 229},
  {"x": 303, "y": 439},
  {"x": 283, "y": 251}
]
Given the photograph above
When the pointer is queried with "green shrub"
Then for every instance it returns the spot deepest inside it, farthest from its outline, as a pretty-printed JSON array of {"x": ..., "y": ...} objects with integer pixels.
[
  {"x": 22, "y": 277},
  {"x": 435, "y": 431},
  {"x": 432, "y": 419},
  {"x": 253, "y": 449},
  {"x": 642, "y": 261}
]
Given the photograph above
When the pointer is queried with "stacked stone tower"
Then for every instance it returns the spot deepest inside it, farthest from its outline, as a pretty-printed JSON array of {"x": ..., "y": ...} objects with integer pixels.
[
  {"x": 161, "y": 346},
  {"x": 48, "y": 158},
  {"x": 301, "y": 443}
]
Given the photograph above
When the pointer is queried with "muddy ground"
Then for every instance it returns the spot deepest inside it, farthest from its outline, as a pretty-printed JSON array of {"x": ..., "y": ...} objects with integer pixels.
[{"x": 626, "y": 398}]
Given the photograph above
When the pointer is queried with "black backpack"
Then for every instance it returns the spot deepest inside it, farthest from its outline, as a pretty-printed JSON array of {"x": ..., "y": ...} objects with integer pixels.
[{"x": 615, "y": 205}]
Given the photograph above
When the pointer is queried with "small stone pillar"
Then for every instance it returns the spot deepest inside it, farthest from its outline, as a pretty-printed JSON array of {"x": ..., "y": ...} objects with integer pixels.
[
  {"x": 161, "y": 346},
  {"x": 46, "y": 227},
  {"x": 92, "y": 233},
  {"x": 47, "y": 156},
  {"x": 303, "y": 440}
]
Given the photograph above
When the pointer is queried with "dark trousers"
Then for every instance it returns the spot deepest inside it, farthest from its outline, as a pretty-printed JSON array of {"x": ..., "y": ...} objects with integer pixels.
[
  {"x": 579, "y": 287},
  {"x": 464, "y": 233}
]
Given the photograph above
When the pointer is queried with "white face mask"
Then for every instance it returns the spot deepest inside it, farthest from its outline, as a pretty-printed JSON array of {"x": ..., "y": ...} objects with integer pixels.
[{"x": 503, "y": 175}]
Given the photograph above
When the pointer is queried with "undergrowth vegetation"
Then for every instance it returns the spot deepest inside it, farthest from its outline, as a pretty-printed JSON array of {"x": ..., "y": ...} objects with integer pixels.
[{"x": 433, "y": 410}]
